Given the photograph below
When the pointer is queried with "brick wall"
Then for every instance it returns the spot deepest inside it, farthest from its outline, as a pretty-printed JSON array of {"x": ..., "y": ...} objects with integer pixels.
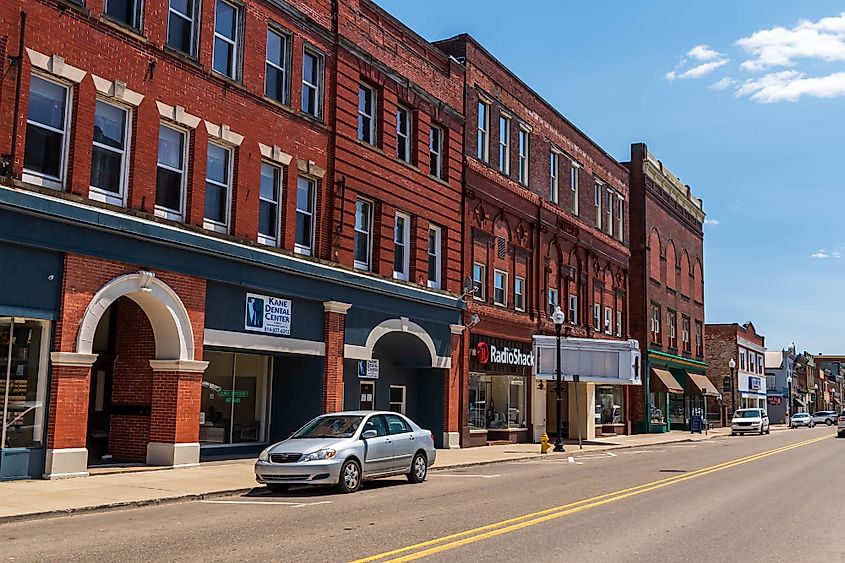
[
  {"x": 175, "y": 407},
  {"x": 333, "y": 371},
  {"x": 67, "y": 425}
]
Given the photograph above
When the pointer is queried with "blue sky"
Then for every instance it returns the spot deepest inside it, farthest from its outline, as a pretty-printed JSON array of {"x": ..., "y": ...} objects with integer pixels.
[{"x": 744, "y": 101}]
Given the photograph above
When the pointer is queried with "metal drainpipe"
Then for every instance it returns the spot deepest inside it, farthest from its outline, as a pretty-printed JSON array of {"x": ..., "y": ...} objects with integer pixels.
[{"x": 15, "y": 116}]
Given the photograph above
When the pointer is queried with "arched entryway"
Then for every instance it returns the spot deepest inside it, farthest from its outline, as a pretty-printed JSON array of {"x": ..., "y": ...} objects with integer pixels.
[{"x": 130, "y": 391}]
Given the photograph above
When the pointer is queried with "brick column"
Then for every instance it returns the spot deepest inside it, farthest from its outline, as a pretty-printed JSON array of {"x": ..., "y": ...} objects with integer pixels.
[
  {"x": 452, "y": 383},
  {"x": 335, "y": 327},
  {"x": 67, "y": 425},
  {"x": 175, "y": 413}
]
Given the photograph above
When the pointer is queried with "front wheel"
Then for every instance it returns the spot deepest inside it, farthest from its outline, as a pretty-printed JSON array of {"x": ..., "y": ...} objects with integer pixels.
[
  {"x": 812, "y": 425},
  {"x": 350, "y": 477},
  {"x": 768, "y": 429},
  {"x": 828, "y": 422},
  {"x": 419, "y": 468}
]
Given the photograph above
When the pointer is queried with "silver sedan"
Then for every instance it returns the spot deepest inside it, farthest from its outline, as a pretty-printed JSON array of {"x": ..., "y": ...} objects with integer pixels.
[{"x": 346, "y": 448}]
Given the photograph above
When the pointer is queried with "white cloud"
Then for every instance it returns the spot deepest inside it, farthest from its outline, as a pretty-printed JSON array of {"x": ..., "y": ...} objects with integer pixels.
[
  {"x": 703, "y": 69},
  {"x": 703, "y": 53},
  {"x": 826, "y": 254},
  {"x": 711, "y": 222},
  {"x": 722, "y": 84},
  {"x": 790, "y": 85},
  {"x": 780, "y": 47},
  {"x": 707, "y": 60}
]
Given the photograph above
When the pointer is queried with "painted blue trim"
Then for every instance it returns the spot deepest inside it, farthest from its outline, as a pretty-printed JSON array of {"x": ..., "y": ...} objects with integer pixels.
[
  {"x": 8, "y": 311},
  {"x": 150, "y": 231}
]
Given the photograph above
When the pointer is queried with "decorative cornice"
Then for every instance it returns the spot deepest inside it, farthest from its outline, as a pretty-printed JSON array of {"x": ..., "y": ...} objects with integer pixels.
[
  {"x": 72, "y": 359},
  {"x": 183, "y": 366},
  {"x": 678, "y": 359},
  {"x": 676, "y": 189},
  {"x": 336, "y": 307}
]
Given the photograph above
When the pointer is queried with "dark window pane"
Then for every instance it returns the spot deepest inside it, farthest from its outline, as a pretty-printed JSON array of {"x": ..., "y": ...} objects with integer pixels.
[
  {"x": 183, "y": 6},
  {"x": 362, "y": 246},
  {"x": 169, "y": 189},
  {"x": 179, "y": 34},
  {"x": 109, "y": 125},
  {"x": 217, "y": 164},
  {"x": 275, "y": 87},
  {"x": 267, "y": 218},
  {"x": 303, "y": 230},
  {"x": 120, "y": 10},
  {"x": 269, "y": 182},
  {"x": 304, "y": 195},
  {"x": 432, "y": 268},
  {"x": 309, "y": 100},
  {"x": 215, "y": 202},
  {"x": 43, "y": 151},
  {"x": 225, "y": 20},
  {"x": 399, "y": 259},
  {"x": 223, "y": 54},
  {"x": 105, "y": 170}
]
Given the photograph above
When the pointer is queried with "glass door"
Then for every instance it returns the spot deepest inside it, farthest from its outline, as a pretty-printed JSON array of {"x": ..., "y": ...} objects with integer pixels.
[{"x": 23, "y": 350}]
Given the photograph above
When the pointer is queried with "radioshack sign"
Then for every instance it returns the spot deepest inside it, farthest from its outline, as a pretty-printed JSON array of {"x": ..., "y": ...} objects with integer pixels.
[{"x": 488, "y": 354}]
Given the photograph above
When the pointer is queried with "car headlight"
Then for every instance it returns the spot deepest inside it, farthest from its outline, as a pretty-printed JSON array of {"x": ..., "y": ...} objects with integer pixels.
[
  {"x": 320, "y": 454},
  {"x": 265, "y": 455}
]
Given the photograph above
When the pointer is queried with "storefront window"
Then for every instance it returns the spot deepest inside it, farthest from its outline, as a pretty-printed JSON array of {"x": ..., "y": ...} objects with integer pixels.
[
  {"x": 24, "y": 345},
  {"x": 609, "y": 404},
  {"x": 676, "y": 409},
  {"x": 657, "y": 415},
  {"x": 234, "y": 405},
  {"x": 497, "y": 401}
]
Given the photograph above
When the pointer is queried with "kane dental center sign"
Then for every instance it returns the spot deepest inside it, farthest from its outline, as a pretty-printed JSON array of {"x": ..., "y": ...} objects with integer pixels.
[{"x": 489, "y": 354}]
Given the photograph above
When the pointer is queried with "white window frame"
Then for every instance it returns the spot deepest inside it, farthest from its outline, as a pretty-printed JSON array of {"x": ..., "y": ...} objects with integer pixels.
[
  {"x": 372, "y": 129},
  {"x": 761, "y": 366},
  {"x": 554, "y": 174},
  {"x": 137, "y": 15},
  {"x": 38, "y": 178},
  {"x": 286, "y": 43},
  {"x": 317, "y": 87},
  {"x": 671, "y": 328},
  {"x": 573, "y": 309},
  {"x": 503, "y": 276},
  {"x": 390, "y": 404},
  {"x": 519, "y": 293},
  {"x": 361, "y": 231},
  {"x": 608, "y": 211},
  {"x": 619, "y": 323},
  {"x": 264, "y": 238},
  {"x": 436, "y": 156},
  {"x": 596, "y": 317},
  {"x": 573, "y": 185},
  {"x": 192, "y": 18},
  {"x": 742, "y": 359},
  {"x": 212, "y": 224},
  {"x": 298, "y": 247},
  {"x": 597, "y": 197},
  {"x": 404, "y": 274},
  {"x": 167, "y": 213},
  {"x": 234, "y": 41},
  {"x": 483, "y": 133},
  {"x": 524, "y": 148},
  {"x": 553, "y": 300},
  {"x": 404, "y": 139},
  {"x": 106, "y": 196},
  {"x": 608, "y": 320},
  {"x": 438, "y": 253},
  {"x": 505, "y": 145},
  {"x": 479, "y": 282},
  {"x": 620, "y": 218},
  {"x": 686, "y": 342}
]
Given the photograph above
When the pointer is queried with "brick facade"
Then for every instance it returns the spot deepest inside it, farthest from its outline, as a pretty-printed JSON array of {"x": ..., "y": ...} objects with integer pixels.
[{"x": 726, "y": 342}]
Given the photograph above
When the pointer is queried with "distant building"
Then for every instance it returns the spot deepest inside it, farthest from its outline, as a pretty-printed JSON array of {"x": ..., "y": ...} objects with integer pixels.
[
  {"x": 742, "y": 386},
  {"x": 780, "y": 367}
]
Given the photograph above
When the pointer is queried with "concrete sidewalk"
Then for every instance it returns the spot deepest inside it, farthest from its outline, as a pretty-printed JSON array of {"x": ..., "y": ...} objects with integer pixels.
[{"x": 138, "y": 487}]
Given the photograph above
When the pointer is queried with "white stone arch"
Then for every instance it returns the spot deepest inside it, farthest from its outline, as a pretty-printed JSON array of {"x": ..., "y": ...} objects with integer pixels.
[
  {"x": 174, "y": 335},
  {"x": 404, "y": 325}
]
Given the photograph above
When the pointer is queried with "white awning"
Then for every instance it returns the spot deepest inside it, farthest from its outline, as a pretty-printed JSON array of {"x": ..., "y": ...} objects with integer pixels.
[{"x": 610, "y": 362}]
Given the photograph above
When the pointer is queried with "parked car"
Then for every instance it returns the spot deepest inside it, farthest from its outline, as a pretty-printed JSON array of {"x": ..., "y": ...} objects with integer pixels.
[
  {"x": 824, "y": 417},
  {"x": 344, "y": 449},
  {"x": 840, "y": 428},
  {"x": 750, "y": 420},
  {"x": 801, "y": 419}
]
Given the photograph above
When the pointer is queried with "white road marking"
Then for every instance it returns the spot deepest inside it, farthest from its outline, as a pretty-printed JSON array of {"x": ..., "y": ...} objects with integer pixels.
[
  {"x": 477, "y": 476},
  {"x": 275, "y": 502},
  {"x": 646, "y": 452}
]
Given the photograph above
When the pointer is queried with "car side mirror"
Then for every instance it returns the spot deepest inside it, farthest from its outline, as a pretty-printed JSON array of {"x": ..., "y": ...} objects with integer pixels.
[{"x": 368, "y": 434}]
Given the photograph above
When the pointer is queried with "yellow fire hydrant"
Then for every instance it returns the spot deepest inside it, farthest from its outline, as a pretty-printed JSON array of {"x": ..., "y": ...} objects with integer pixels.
[{"x": 545, "y": 446}]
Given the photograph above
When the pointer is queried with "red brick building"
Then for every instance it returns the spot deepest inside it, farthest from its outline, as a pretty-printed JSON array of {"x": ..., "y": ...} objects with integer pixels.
[
  {"x": 182, "y": 198},
  {"x": 667, "y": 295},
  {"x": 744, "y": 384},
  {"x": 545, "y": 224}
]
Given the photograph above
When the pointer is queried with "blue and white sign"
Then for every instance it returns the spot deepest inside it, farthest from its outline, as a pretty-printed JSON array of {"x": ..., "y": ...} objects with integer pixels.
[{"x": 270, "y": 315}]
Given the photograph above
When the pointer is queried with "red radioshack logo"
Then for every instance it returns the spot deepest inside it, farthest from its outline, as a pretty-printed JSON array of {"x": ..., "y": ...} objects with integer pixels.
[{"x": 482, "y": 352}]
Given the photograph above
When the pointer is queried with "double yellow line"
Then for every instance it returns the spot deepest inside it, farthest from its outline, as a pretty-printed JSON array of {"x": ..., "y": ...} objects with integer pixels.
[{"x": 445, "y": 543}]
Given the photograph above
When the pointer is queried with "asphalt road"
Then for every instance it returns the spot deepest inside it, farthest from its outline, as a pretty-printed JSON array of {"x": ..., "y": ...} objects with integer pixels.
[{"x": 755, "y": 498}]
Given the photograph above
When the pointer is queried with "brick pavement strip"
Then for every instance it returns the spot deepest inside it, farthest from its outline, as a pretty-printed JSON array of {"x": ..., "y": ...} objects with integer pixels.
[{"x": 21, "y": 500}]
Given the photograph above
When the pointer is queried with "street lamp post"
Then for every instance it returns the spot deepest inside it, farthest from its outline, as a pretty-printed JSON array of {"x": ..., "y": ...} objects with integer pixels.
[
  {"x": 789, "y": 398},
  {"x": 558, "y": 318},
  {"x": 732, "y": 365},
  {"x": 816, "y": 388}
]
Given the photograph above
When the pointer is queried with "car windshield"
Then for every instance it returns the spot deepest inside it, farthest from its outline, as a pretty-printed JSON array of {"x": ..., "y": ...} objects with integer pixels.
[
  {"x": 330, "y": 426},
  {"x": 801, "y": 415},
  {"x": 747, "y": 414}
]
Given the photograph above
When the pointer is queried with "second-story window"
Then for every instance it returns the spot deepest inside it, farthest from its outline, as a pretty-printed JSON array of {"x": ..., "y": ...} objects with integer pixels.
[
  {"x": 608, "y": 320},
  {"x": 685, "y": 334},
  {"x": 181, "y": 26},
  {"x": 312, "y": 83},
  {"x": 609, "y": 205},
  {"x": 46, "y": 133},
  {"x": 269, "y": 197},
  {"x": 554, "y": 301},
  {"x": 363, "y": 233},
  {"x": 597, "y": 200},
  {"x": 306, "y": 195},
  {"x": 109, "y": 154},
  {"x": 596, "y": 317},
  {"x": 226, "y": 32},
  {"x": 171, "y": 172},
  {"x": 479, "y": 277},
  {"x": 553, "y": 176},
  {"x": 519, "y": 294},
  {"x": 504, "y": 145},
  {"x": 126, "y": 11},
  {"x": 483, "y": 129},
  {"x": 276, "y": 85},
  {"x": 671, "y": 328},
  {"x": 367, "y": 103},
  {"x": 620, "y": 218},
  {"x": 619, "y": 323},
  {"x": 401, "y": 246},
  {"x": 573, "y": 186},
  {"x": 523, "y": 156},
  {"x": 218, "y": 187},
  {"x": 435, "y": 249},
  {"x": 500, "y": 288},
  {"x": 404, "y": 135},
  {"x": 655, "y": 325},
  {"x": 435, "y": 152},
  {"x": 699, "y": 340},
  {"x": 742, "y": 359},
  {"x": 573, "y": 309}
]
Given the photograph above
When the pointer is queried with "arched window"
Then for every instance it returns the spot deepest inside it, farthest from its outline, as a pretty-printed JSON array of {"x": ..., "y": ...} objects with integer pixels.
[
  {"x": 654, "y": 255},
  {"x": 685, "y": 274},
  {"x": 698, "y": 282},
  {"x": 671, "y": 266}
]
